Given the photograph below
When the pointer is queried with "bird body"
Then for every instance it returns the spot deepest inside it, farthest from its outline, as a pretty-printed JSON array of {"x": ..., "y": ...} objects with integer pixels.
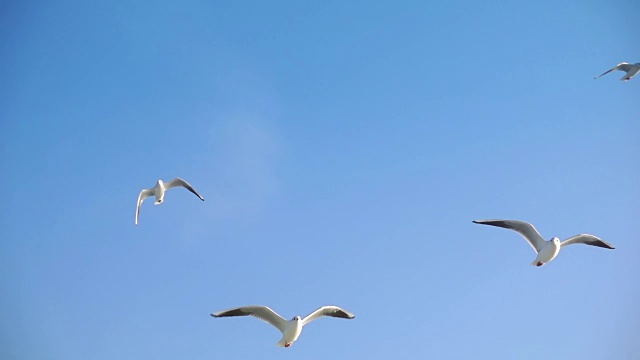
[
  {"x": 546, "y": 250},
  {"x": 291, "y": 329},
  {"x": 159, "y": 191},
  {"x": 549, "y": 252},
  {"x": 291, "y": 332}
]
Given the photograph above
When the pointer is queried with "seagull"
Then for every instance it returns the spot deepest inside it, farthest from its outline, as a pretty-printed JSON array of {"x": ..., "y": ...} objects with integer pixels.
[
  {"x": 630, "y": 69},
  {"x": 158, "y": 191},
  {"x": 546, "y": 250},
  {"x": 290, "y": 329}
]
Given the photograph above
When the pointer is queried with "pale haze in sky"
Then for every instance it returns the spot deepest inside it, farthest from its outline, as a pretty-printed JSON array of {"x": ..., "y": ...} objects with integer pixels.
[{"x": 343, "y": 149}]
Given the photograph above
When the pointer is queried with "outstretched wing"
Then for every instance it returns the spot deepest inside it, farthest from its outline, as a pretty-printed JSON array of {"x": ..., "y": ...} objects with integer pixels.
[
  {"x": 587, "y": 240},
  {"x": 523, "y": 228},
  {"x": 626, "y": 67},
  {"x": 180, "y": 182},
  {"x": 143, "y": 195},
  {"x": 332, "y": 311},
  {"x": 260, "y": 312},
  {"x": 622, "y": 66},
  {"x": 605, "y": 73}
]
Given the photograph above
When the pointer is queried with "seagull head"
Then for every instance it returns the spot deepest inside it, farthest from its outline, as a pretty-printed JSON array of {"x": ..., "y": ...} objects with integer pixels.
[
  {"x": 555, "y": 240},
  {"x": 296, "y": 318}
]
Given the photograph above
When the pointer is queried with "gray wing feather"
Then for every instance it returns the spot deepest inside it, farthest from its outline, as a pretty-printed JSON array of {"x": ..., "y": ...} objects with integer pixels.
[
  {"x": 181, "y": 182},
  {"x": 259, "y": 312},
  {"x": 604, "y": 73},
  {"x": 523, "y": 228},
  {"x": 143, "y": 195},
  {"x": 332, "y": 311},
  {"x": 622, "y": 66},
  {"x": 587, "y": 240}
]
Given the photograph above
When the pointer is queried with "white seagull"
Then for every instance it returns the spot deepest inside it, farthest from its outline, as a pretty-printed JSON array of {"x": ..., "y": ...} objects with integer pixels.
[
  {"x": 290, "y": 329},
  {"x": 547, "y": 250},
  {"x": 158, "y": 191},
  {"x": 630, "y": 69}
]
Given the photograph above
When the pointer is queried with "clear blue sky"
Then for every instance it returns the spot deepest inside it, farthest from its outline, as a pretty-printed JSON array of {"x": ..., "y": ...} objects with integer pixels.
[{"x": 343, "y": 149}]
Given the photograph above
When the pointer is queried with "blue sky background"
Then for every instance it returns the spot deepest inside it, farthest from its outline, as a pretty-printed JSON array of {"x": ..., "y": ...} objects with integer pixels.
[{"x": 343, "y": 149}]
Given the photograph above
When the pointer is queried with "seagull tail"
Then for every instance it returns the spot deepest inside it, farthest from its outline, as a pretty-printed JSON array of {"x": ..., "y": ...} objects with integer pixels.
[{"x": 281, "y": 343}]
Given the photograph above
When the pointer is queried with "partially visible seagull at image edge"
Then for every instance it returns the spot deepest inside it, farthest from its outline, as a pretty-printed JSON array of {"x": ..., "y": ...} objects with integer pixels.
[
  {"x": 290, "y": 329},
  {"x": 159, "y": 190},
  {"x": 631, "y": 70},
  {"x": 546, "y": 250}
]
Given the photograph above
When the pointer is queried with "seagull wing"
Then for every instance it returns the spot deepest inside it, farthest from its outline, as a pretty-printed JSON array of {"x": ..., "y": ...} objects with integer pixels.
[
  {"x": 260, "y": 312},
  {"x": 626, "y": 67},
  {"x": 622, "y": 66},
  {"x": 606, "y": 72},
  {"x": 143, "y": 195},
  {"x": 525, "y": 229},
  {"x": 332, "y": 311},
  {"x": 180, "y": 182},
  {"x": 588, "y": 240}
]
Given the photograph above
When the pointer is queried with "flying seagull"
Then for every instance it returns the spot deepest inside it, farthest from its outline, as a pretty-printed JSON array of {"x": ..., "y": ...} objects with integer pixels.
[
  {"x": 158, "y": 191},
  {"x": 630, "y": 69},
  {"x": 546, "y": 250},
  {"x": 290, "y": 329}
]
